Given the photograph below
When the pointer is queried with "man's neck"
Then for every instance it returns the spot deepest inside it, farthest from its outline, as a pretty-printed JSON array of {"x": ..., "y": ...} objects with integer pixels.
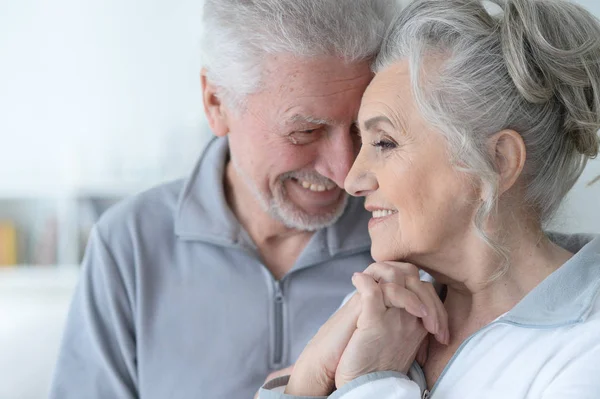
[{"x": 279, "y": 245}]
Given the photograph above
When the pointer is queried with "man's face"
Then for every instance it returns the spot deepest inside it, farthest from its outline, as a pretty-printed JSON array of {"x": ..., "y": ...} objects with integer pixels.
[{"x": 294, "y": 142}]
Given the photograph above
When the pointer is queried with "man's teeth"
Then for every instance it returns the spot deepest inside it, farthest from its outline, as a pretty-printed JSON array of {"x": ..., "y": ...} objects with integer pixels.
[
  {"x": 316, "y": 187},
  {"x": 382, "y": 213}
]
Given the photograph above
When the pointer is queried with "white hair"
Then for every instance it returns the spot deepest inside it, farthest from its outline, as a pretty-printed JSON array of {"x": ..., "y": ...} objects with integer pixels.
[
  {"x": 239, "y": 34},
  {"x": 534, "y": 68}
]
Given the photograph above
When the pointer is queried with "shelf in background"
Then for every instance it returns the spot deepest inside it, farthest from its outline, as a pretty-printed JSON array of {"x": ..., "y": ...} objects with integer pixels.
[{"x": 52, "y": 222}]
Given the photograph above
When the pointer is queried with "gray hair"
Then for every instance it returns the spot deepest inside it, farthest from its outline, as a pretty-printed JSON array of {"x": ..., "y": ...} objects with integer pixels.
[
  {"x": 533, "y": 68},
  {"x": 239, "y": 34}
]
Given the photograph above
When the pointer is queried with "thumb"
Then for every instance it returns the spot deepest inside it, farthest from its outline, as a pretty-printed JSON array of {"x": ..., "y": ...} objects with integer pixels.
[{"x": 371, "y": 298}]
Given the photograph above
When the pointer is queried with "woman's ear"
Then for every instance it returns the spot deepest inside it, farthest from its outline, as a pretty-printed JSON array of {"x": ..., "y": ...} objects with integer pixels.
[
  {"x": 213, "y": 107},
  {"x": 508, "y": 152}
]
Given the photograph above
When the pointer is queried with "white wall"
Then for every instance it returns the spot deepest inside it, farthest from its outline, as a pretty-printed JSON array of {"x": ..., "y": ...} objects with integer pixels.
[
  {"x": 98, "y": 90},
  {"x": 581, "y": 210},
  {"x": 108, "y": 90},
  {"x": 92, "y": 93}
]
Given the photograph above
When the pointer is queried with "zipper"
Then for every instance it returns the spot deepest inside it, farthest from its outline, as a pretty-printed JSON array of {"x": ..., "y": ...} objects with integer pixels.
[
  {"x": 423, "y": 381},
  {"x": 278, "y": 321}
]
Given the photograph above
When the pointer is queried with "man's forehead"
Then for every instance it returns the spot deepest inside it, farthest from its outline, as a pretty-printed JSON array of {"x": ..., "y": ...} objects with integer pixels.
[{"x": 315, "y": 77}]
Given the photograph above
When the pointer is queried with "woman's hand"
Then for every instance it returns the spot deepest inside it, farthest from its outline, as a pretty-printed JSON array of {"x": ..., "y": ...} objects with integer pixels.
[
  {"x": 389, "y": 333},
  {"x": 402, "y": 288},
  {"x": 316, "y": 371}
]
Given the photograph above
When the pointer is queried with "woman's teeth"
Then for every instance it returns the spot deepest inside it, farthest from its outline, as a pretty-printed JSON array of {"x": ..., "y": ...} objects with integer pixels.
[
  {"x": 316, "y": 187},
  {"x": 382, "y": 213}
]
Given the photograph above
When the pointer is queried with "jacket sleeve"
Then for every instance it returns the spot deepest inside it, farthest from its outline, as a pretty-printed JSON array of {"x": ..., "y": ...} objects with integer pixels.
[
  {"x": 578, "y": 379},
  {"x": 380, "y": 385},
  {"x": 97, "y": 356}
]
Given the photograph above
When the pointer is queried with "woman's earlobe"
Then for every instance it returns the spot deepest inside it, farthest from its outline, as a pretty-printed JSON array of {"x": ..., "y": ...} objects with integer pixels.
[
  {"x": 509, "y": 154},
  {"x": 213, "y": 107}
]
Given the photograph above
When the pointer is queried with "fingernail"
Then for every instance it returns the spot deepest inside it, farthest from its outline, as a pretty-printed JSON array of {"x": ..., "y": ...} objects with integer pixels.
[
  {"x": 423, "y": 310},
  {"x": 441, "y": 337}
]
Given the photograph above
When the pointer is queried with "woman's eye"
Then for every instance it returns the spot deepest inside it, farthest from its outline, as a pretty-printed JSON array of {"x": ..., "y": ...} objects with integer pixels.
[
  {"x": 384, "y": 144},
  {"x": 309, "y": 131}
]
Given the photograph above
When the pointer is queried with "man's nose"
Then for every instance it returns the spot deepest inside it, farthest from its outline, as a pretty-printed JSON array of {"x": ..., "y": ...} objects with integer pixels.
[{"x": 336, "y": 157}]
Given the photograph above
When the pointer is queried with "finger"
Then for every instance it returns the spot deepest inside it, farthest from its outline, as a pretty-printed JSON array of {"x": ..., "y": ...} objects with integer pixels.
[
  {"x": 442, "y": 315},
  {"x": 384, "y": 273},
  {"x": 391, "y": 272},
  {"x": 432, "y": 321},
  {"x": 396, "y": 296},
  {"x": 372, "y": 306},
  {"x": 342, "y": 324},
  {"x": 350, "y": 308},
  {"x": 337, "y": 332},
  {"x": 406, "y": 268}
]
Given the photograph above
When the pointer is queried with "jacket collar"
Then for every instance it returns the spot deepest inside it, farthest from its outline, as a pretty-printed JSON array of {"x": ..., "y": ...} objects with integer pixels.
[
  {"x": 568, "y": 295},
  {"x": 202, "y": 213}
]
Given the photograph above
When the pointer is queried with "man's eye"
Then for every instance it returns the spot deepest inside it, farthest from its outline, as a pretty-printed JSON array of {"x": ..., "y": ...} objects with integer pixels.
[
  {"x": 307, "y": 136},
  {"x": 309, "y": 131}
]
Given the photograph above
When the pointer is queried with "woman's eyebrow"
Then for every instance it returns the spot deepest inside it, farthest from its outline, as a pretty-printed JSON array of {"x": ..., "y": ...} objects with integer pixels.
[{"x": 370, "y": 123}]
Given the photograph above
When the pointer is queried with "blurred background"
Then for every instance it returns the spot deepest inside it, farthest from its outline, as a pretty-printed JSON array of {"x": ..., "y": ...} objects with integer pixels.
[{"x": 100, "y": 100}]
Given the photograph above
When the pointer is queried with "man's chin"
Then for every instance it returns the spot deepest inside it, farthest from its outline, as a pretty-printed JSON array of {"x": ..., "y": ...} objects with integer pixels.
[{"x": 294, "y": 216}]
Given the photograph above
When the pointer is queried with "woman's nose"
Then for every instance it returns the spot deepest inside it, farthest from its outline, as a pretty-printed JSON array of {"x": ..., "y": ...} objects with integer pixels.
[{"x": 360, "y": 180}]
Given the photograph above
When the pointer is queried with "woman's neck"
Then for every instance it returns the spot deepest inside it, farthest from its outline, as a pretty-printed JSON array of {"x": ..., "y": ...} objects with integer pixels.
[{"x": 475, "y": 298}]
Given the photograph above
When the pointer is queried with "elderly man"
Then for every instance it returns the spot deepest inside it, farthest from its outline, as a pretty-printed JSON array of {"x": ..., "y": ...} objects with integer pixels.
[{"x": 201, "y": 288}]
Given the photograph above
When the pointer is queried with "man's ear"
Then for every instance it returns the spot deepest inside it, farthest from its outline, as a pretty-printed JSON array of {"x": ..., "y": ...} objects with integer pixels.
[
  {"x": 213, "y": 107},
  {"x": 508, "y": 152}
]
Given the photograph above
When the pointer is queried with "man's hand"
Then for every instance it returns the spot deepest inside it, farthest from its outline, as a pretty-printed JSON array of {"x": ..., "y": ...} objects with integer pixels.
[
  {"x": 280, "y": 373},
  {"x": 314, "y": 372}
]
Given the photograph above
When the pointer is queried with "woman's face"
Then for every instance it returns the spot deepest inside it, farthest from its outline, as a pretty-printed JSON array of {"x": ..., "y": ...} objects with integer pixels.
[{"x": 422, "y": 205}]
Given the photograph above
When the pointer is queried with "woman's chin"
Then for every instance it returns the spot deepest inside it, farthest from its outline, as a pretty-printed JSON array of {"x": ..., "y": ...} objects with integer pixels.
[
  {"x": 387, "y": 250},
  {"x": 382, "y": 254}
]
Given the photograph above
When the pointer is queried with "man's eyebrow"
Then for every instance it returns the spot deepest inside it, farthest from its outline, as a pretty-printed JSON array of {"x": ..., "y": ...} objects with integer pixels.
[
  {"x": 310, "y": 119},
  {"x": 370, "y": 123}
]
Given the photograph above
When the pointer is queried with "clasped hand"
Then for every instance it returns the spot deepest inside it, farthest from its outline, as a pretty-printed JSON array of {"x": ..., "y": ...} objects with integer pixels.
[{"x": 383, "y": 327}]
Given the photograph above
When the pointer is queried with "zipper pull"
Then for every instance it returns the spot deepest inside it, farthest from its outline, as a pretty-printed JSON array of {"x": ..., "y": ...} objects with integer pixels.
[
  {"x": 278, "y": 292},
  {"x": 425, "y": 394}
]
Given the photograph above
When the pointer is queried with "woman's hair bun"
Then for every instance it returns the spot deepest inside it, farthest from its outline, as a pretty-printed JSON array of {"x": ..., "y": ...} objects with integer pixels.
[{"x": 552, "y": 51}]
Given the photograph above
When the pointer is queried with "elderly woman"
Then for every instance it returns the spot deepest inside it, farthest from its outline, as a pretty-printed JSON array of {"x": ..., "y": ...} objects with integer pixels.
[{"x": 474, "y": 129}]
